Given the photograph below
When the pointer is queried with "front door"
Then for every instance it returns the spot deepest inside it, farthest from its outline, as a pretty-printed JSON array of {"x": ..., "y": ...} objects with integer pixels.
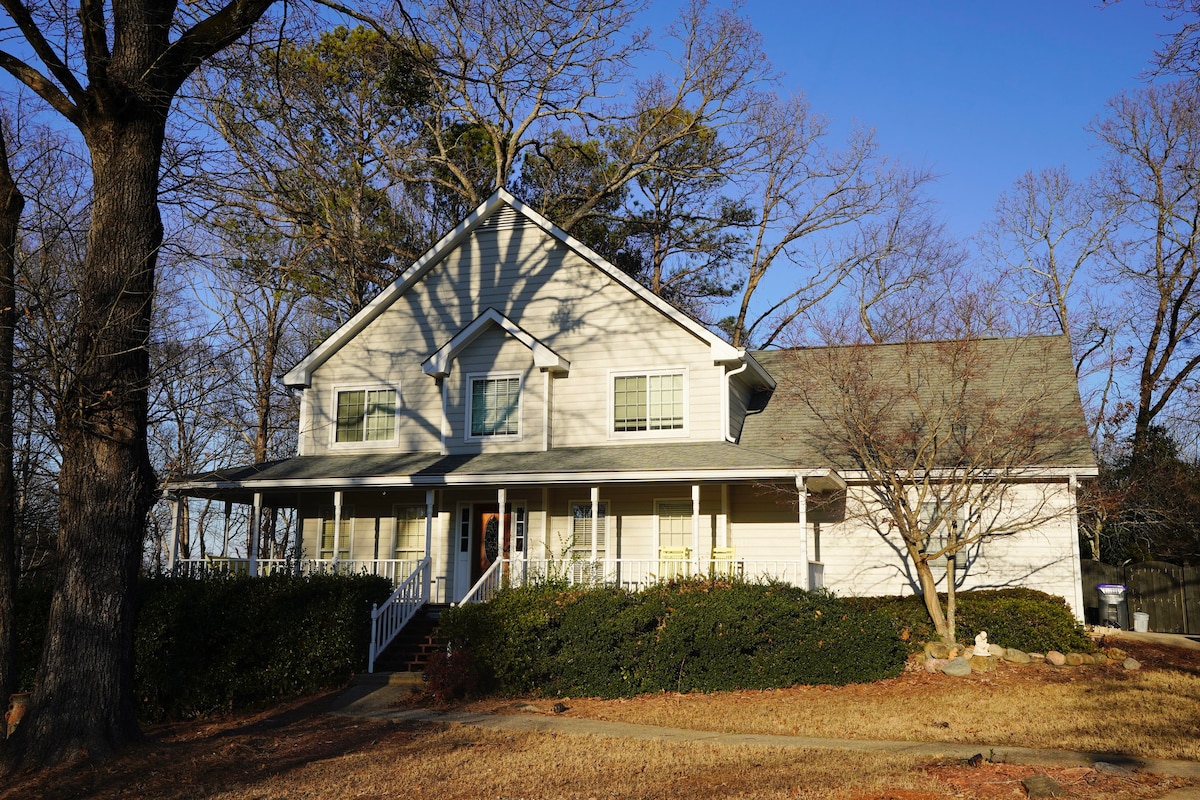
[{"x": 486, "y": 546}]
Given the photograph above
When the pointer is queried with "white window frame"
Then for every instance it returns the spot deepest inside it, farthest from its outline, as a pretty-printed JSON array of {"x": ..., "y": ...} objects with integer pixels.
[
  {"x": 681, "y": 431},
  {"x": 364, "y": 443},
  {"x": 468, "y": 435},
  {"x": 396, "y": 510},
  {"x": 658, "y": 504},
  {"x": 326, "y": 513},
  {"x": 578, "y": 552}
]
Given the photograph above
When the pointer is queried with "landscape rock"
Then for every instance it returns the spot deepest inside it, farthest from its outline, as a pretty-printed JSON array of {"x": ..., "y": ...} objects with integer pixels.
[
  {"x": 957, "y": 668},
  {"x": 1055, "y": 658},
  {"x": 1113, "y": 769},
  {"x": 938, "y": 650},
  {"x": 1131, "y": 663},
  {"x": 1072, "y": 659},
  {"x": 1038, "y": 786},
  {"x": 996, "y": 650},
  {"x": 983, "y": 663},
  {"x": 1115, "y": 653},
  {"x": 1016, "y": 656},
  {"x": 1088, "y": 659},
  {"x": 935, "y": 664}
]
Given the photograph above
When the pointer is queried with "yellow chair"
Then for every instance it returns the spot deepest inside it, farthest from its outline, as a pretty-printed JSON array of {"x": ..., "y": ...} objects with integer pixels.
[
  {"x": 674, "y": 562},
  {"x": 721, "y": 564}
]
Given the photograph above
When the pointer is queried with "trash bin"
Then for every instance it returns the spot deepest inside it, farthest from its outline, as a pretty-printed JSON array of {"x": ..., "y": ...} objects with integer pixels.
[{"x": 1113, "y": 611}]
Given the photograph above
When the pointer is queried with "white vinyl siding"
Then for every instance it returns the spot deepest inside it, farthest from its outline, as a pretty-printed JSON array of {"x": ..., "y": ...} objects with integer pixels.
[
  {"x": 556, "y": 296},
  {"x": 495, "y": 406}
]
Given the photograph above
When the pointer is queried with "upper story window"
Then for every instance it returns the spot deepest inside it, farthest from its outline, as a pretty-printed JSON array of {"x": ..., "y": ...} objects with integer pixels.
[
  {"x": 494, "y": 406},
  {"x": 366, "y": 415},
  {"x": 648, "y": 402}
]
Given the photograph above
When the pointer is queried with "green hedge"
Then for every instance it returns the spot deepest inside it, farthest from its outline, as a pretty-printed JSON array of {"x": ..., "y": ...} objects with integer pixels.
[
  {"x": 686, "y": 636},
  {"x": 227, "y": 642},
  {"x": 1022, "y": 618}
]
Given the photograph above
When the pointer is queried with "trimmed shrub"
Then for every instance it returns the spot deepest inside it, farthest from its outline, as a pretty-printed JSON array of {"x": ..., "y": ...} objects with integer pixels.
[
  {"x": 685, "y": 636},
  {"x": 1023, "y": 618},
  {"x": 226, "y": 642}
]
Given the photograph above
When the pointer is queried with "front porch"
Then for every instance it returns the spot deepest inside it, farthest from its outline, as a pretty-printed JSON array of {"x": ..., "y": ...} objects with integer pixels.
[{"x": 461, "y": 537}]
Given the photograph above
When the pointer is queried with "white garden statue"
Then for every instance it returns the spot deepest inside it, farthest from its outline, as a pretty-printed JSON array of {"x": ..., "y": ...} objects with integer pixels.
[{"x": 981, "y": 644}]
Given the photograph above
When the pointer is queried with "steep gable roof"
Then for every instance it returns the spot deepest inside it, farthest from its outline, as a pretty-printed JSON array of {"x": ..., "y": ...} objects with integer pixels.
[
  {"x": 438, "y": 364},
  {"x": 500, "y": 209}
]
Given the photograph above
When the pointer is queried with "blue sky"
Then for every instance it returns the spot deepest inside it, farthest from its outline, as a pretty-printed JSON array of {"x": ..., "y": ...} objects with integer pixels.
[{"x": 979, "y": 92}]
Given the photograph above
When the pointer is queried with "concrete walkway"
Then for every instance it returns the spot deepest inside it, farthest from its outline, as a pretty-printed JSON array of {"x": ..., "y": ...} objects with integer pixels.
[
  {"x": 1186, "y": 641},
  {"x": 373, "y": 699}
]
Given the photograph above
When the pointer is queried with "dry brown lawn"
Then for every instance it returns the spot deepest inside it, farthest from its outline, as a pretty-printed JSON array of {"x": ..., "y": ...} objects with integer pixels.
[
  {"x": 299, "y": 752},
  {"x": 1151, "y": 713}
]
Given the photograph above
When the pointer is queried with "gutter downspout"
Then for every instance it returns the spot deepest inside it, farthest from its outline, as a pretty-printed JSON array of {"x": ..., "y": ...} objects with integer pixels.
[{"x": 725, "y": 403}]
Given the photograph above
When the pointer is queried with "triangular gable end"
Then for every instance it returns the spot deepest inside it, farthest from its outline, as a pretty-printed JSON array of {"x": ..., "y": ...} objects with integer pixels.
[
  {"x": 722, "y": 351},
  {"x": 438, "y": 364}
]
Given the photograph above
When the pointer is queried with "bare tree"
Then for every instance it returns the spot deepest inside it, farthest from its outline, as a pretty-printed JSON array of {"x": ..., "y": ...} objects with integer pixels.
[
  {"x": 1151, "y": 173},
  {"x": 945, "y": 444},
  {"x": 812, "y": 206},
  {"x": 113, "y": 77}
]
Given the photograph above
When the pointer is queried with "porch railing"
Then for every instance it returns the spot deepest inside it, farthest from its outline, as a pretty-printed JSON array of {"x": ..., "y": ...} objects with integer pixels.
[
  {"x": 396, "y": 612},
  {"x": 488, "y": 584},
  {"x": 637, "y": 574}
]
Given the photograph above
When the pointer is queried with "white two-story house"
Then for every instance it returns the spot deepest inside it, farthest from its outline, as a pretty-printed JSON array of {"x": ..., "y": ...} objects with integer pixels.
[{"x": 513, "y": 405}]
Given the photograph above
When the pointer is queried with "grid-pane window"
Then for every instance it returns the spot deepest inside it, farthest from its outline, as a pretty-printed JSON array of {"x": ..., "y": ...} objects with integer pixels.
[
  {"x": 648, "y": 402},
  {"x": 581, "y": 530},
  {"x": 327, "y": 527},
  {"x": 675, "y": 523},
  {"x": 495, "y": 406},
  {"x": 366, "y": 415},
  {"x": 410, "y": 532}
]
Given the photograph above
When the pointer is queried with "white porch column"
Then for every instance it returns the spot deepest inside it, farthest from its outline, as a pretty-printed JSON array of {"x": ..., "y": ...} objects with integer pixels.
[
  {"x": 696, "y": 528},
  {"x": 723, "y": 522},
  {"x": 505, "y": 547},
  {"x": 429, "y": 497},
  {"x": 545, "y": 412},
  {"x": 337, "y": 527},
  {"x": 1076, "y": 564},
  {"x": 255, "y": 530},
  {"x": 175, "y": 504},
  {"x": 596, "y": 524},
  {"x": 545, "y": 524},
  {"x": 445, "y": 422},
  {"x": 225, "y": 534},
  {"x": 802, "y": 508}
]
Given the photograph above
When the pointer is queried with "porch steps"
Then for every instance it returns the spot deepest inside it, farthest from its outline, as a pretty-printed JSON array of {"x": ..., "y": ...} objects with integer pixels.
[{"x": 412, "y": 647}]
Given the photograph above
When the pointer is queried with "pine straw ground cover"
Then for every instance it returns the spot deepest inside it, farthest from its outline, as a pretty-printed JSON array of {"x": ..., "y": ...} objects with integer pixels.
[{"x": 299, "y": 752}]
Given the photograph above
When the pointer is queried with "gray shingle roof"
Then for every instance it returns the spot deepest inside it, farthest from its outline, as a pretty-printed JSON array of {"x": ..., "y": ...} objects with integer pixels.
[{"x": 1027, "y": 375}]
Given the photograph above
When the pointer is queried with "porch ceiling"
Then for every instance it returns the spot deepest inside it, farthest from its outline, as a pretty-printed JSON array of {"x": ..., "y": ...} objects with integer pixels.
[{"x": 626, "y": 463}]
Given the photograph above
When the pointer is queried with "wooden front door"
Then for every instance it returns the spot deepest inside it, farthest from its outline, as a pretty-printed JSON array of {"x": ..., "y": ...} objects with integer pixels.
[{"x": 486, "y": 545}]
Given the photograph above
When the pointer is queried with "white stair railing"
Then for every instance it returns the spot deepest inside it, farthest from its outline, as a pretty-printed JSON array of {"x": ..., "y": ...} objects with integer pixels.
[
  {"x": 487, "y": 586},
  {"x": 396, "y": 612}
]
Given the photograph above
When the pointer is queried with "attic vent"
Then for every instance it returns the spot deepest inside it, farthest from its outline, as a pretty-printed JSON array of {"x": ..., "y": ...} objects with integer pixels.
[{"x": 505, "y": 219}]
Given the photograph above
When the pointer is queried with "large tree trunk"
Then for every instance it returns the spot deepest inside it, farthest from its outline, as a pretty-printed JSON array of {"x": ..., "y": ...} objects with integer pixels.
[
  {"x": 83, "y": 702},
  {"x": 11, "y": 204}
]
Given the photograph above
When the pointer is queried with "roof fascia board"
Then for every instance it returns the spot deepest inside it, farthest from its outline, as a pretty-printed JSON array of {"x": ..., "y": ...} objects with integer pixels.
[
  {"x": 1032, "y": 473},
  {"x": 511, "y": 478},
  {"x": 438, "y": 364}
]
